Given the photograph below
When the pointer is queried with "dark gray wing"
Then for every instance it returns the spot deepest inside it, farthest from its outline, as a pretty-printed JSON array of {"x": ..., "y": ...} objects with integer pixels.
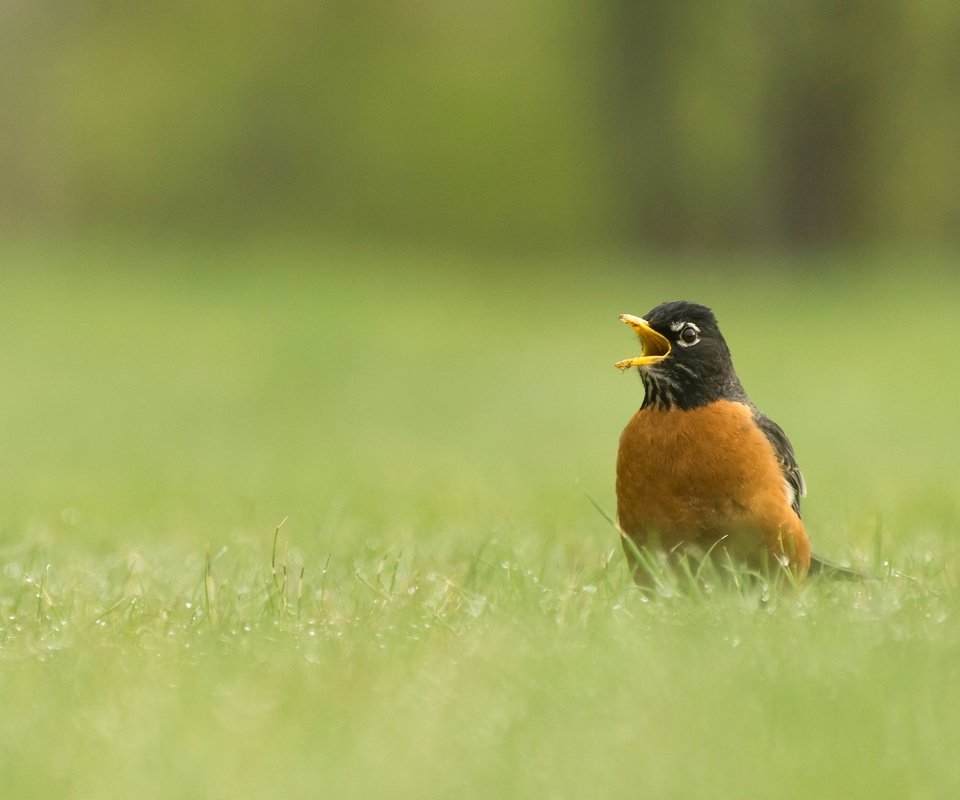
[
  {"x": 793, "y": 478},
  {"x": 786, "y": 458}
]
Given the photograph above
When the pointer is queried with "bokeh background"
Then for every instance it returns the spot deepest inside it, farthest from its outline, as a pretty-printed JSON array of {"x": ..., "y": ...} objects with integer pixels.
[
  {"x": 357, "y": 266},
  {"x": 740, "y": 124},
  {"x": 269, "y": 260}
]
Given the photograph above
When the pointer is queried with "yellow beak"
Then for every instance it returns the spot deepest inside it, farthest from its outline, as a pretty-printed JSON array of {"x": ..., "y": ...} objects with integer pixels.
[{"x": 656, "y": 347}]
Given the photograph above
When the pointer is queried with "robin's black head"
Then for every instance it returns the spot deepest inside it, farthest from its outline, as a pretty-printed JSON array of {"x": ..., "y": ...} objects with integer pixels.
[{"x": 686, "y": 362}]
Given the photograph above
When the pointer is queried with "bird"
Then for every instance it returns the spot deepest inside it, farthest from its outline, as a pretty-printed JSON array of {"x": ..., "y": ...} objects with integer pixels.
[{"x": 700, "y": 469}]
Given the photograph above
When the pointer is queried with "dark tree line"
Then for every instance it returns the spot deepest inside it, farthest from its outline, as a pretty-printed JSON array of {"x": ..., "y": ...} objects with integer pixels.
[{"x": 735, "y": 123}]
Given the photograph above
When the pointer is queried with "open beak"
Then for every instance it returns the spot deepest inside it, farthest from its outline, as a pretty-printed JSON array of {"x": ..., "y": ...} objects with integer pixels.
[{"x": 655, "y": 346}]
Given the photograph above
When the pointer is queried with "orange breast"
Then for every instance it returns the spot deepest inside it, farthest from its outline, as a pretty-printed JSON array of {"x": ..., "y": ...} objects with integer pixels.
[{"x": 704, "y": 476}]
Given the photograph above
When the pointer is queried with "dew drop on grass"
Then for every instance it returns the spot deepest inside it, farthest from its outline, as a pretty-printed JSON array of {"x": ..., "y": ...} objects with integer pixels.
[{"x": 476, "y": 605}]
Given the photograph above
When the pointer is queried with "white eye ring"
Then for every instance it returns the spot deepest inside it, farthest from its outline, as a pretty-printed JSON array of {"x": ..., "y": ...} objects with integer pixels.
[{"x": 688, "y": 342}]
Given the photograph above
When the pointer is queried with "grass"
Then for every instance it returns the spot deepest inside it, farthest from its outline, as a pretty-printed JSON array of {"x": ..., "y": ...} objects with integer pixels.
[{"x": 302, "y": 522}]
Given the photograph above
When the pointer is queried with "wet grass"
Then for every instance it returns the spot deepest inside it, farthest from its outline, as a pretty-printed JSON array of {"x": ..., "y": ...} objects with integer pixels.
[{"x": 308, "y": 522}]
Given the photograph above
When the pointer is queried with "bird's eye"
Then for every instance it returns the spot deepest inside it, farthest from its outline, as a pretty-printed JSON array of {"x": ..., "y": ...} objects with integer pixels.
[{"x": 689, "y": 335}]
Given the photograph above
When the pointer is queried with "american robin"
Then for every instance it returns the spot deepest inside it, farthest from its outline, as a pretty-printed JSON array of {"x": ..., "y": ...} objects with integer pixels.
[{"x": 700, "y": 469}]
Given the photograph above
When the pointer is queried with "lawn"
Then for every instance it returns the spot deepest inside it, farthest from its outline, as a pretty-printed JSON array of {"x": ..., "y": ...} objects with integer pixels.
[{"x": 312, "y": 522}]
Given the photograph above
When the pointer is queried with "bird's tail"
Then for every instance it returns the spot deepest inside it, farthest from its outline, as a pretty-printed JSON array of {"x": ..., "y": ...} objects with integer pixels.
[{"x": 830, "y": 569}]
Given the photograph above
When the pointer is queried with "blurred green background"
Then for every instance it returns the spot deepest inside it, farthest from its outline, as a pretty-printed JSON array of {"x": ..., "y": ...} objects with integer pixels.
[
  {"x": 359, "y": 265},
  {"x": 486, "y": 124}
]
